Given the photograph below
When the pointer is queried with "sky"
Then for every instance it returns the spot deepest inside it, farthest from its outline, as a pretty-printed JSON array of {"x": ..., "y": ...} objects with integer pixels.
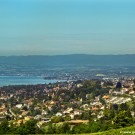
[{"x": 58, "y": 27}]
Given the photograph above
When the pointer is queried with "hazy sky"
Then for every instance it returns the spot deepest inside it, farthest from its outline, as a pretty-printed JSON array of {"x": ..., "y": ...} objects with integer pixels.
[{"x": 50, "y": 27}]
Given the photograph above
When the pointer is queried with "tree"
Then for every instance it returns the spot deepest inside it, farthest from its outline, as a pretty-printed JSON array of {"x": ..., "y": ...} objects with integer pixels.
[
  {"x": 91, "y": 84},
  {"x": 49, "y": 129},
  {"x": 109, "y": 114},
  {"x": 67, "y": 118},
  {"x": 123, "y": 119},
  {"x": 102, "y": 100},
  {"x": 106, "y": 125},
  {"x": 134, "y": 81},
  {"x": 4, "y": 128},
  {"x": 95, "y": 127},
  {"x": 62, "y": 129},
  {"x": 21, "y": 130},
  {"x": 28, "y": 128},
  {"x": 81, "y": 128},
  {"x": 123, "y": 107},
  {"x": 57, "y": 119},
  {"x": 31, "y": 126},
  {"x": 114, "y": 106},
  {"x": 86, "y": 115},
  {"x": 118, "y": 85}
]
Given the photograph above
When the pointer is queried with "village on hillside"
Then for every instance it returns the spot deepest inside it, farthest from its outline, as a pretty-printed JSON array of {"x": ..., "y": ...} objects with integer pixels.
[{"x": 73, "y": 102}]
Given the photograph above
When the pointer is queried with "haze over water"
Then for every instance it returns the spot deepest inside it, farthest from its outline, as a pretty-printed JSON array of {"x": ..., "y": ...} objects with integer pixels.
[{"x": 23, "y": 80}]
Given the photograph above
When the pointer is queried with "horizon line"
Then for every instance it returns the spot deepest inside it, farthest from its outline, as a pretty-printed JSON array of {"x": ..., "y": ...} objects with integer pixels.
[{"x": 63, "y": 55}]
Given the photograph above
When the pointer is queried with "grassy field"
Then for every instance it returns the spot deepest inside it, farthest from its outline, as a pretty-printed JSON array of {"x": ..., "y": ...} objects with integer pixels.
[{"x": 121, "y": 131}]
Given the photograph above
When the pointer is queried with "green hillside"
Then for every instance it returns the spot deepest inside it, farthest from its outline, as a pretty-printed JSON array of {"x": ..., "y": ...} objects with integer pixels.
[{"x": 121, "y": 131}]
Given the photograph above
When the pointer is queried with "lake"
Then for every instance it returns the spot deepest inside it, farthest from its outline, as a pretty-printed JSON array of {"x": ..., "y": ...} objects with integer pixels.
[{"x": 24, "y": 80}]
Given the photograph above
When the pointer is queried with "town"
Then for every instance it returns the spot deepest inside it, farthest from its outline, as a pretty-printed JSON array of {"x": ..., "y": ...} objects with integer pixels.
[{"x": 70, "y": 102}]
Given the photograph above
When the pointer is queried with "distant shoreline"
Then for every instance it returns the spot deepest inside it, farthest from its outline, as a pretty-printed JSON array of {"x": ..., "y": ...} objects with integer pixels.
[
  {"x": 42, "y": 55},
  {"x": 25, "y": 80}
]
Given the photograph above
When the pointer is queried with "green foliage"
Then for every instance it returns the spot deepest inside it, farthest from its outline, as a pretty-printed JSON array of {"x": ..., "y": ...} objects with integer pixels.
[
  {"x": 21, "y": 130},
  {"x": 95, "y": 127},
  {"x": 123, "y": 119},
  {"x": 106, "y": 125},
  {"x": 134, "y": 81},
  {"x": 131, "y": 105},
  {"x": 121, "y": 131},
  {"x": 87, "y": 128},
  {"x": 49, "y": 129},
  {"x": 114, "y": 106},
  {"x": 118, "y": 85},
  {"x": 31, "y": 126},
  {"x": 123, "y": 107},
  {"x": 4, "y": 127},
  {"x": 62, "y": 128},
  {"x": 28, "y": 128},
  {"x": 92, "y": 84},
  {"x": 67, "y": 118},
  {"x": 57, "y": 119},
  {"x": 102, "y": 100},
  {"x": 81, "y": 128},
  {"x": 109, "y": 114},
  {"x": 86, "y": 115}
]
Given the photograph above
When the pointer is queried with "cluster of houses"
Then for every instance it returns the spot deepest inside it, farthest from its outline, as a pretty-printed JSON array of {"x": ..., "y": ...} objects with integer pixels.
[{"x": 19, "y": 110}]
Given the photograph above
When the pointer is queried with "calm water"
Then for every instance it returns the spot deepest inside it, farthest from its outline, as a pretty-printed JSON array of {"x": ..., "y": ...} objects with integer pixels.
[{"x": 20, "y": 80}]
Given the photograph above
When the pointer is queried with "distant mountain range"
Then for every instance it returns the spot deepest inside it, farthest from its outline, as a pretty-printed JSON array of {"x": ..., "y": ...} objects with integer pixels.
[{"x": 70, "y": 60}]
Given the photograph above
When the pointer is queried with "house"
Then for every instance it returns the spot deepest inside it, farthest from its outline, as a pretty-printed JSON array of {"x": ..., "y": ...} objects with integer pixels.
[
  {"x": 2, "y": 110},
  {"x": 106, "y": 97},
  {"x": 52, "y": 103},
  {"x": 85, "y": 107},
  {"x": 40, "y": 123},
  {"x": 37, "y": 117},
  {"x": 79, "y": 85},
  {"x": 95, "y": 109},
  {"x": 95, "y": 103},
  {"x": 123, "y": 91},
  {"x": 72, "y": 116},
  {"x": 50, "y": 108},
  {"x": 110, "y": 91},
  {"x": 27, "y": 118},
  {"x": 132, "y": 92},
  {"x": 116, "y": 93},
  {"x": 19, "y": 106},
  {"x": 97, "y": 98},
  {"x": 2, "y": 118},
  {"x": 58, "y": 114},
  {"x": 24, "y": 113},
  {"x": 46, "y": 120},
  {"x": 19, "y": 122},
  {"x": 44, "y": 112},
  {"x": 77, "y": 112},
  {"x": 132, "y": 114},
  {"x": 100, "y": 116},
  {"x": 68, "y": 110},
  {"x": 102, "y": 107}
]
